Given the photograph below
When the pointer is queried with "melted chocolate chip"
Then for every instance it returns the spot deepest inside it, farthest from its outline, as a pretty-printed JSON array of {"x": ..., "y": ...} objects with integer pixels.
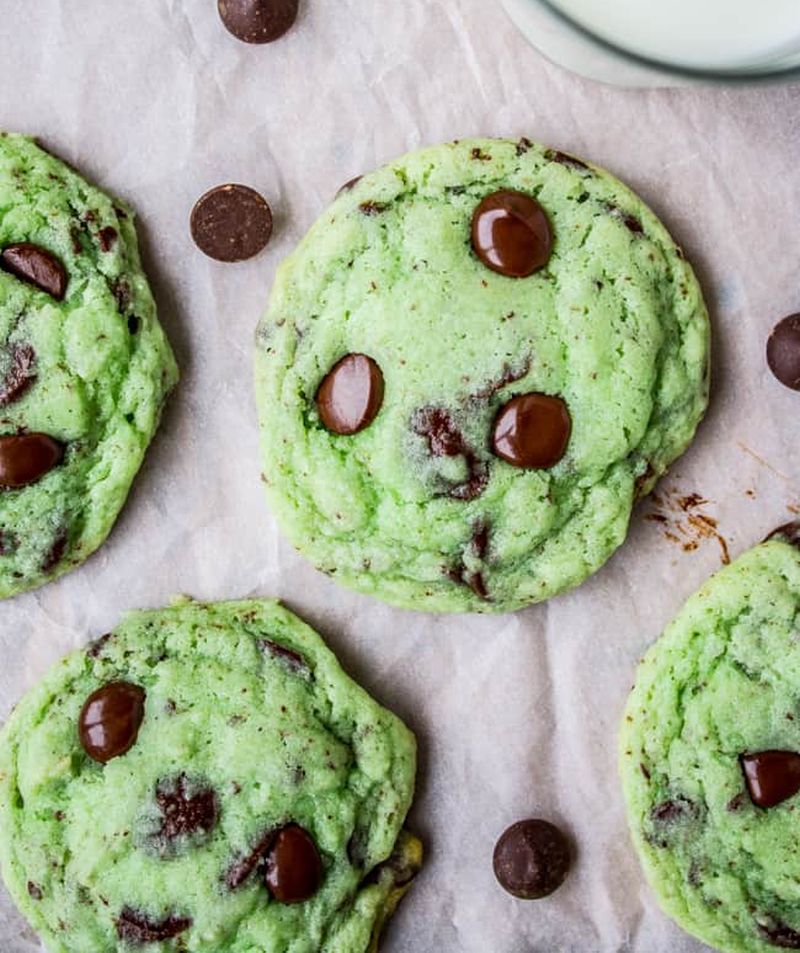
[
  {"x": 629, "y": 221},
  {"x": 37, "y": 266},
  {"x": 350, "y": 396},
  {"x": 477, "y": 584},
  {"x": 55, "y": 554},
  {"x": 532, "y": 431},
  {"x": 138, "y": 929},
  {"x": 780, "y": 935},
  {"x": 110, "y": 719},
  {"x": 531, "y": 859},
  {"x": 19, "y": 376},
  {"x": 783, "y": 351},
  {"x": 258, "y": 21},
  {"x": 291, "y": 659},
  {"x": 771, "y": 776},
  {"x": 562, "y": 158},
  {"x": 511, "y": 234},
  {"x": 373, "y": 208},
  {"x": 789, "y": 533},
  {"x": 34, "y": 891},
  {"x": 446, "y": 440},
  {"x": 231, "y": 223},
  {"x": 241, "y": 869},
  {"x": 293, "y": 866},
  {"x": 121, "y": 290},
  {"x": 508, "y": 376},
  {"x": 188, "y": 809},
  {"x": 26, "y": 458},
  {"x": 107, "y": 237}
]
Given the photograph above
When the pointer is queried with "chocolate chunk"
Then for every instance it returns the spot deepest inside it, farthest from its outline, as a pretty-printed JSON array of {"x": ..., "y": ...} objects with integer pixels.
[
  {"x": 511, "y": 234},
  {"x": 350, "y": 396},
  {"x": 26, "y": 458},
  {"x": 373, "y": 208},
  {"x": 524, "y": 145},
  {"x": 110, "y": 719},
  {"x": 531, "y": 859},
  {"x": 446, "y": 440},
  {"x": 783, "y": 351},
  {"x": 290, "y": 658},
  {"x": 477, "y": 584},
  {"x": 37, "y": 266},
  {"x": 107, "y": 237},
  {"x": 231, "y": 223},
  {"x": 188, "y": 809},
  {"x": 532, "y": 431},
  {"x": 780, "y": 935},
  {"x": 480, "y": 539},
  {"x": 258, "y": 21},
  {"x": 349, "y": 185},
  {"x": 19, "y": 376},
  {"x": 138, "y": 929},
  {"x": 293, "y": 866},
  {"x": 789, "y": 533},
  {"x": 562, "y": 158},
  {"x": 771, "y": 776},
  {"x": 34, "y": 891},
  {"x": 241, "y": 869}
]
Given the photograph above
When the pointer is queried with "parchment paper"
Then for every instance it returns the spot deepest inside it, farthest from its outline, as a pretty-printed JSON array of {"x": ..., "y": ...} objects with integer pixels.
[{"x": 516, "y": 715}]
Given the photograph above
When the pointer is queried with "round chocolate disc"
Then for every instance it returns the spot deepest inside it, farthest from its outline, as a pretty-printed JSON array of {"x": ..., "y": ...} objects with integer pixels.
[
  {"x": 231, "y": 223},
  {"x": 293, "y": 867},
  {"x": 511, "y": 234},
  {"x": 258, "y": 21},
  {"x": 532, "y": 431},
  {"x": 27, "y": 457},
  {"x": 110, "y": 719},
  {"x": 783, "y": 351},
  {"x": 350, "y": 396},
  {"x": 531, "y": 859}
]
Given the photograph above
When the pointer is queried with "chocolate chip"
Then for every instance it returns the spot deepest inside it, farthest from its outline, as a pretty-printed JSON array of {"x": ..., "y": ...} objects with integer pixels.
[
  {"x": 138, "y": 929},
  {"x": 668, "y": 812},
  {"x": 562, "y": 158},
  {"x": 350, "y": 396},
  {"x": 121, "y": 290},
  {"x": 26, "y": 458},
  {"x": 373, "y": 208},
  {"x": 446, "y": 440},
  {"x": 133, "y": 324},
  {"x": 258, "y": 21},
  {"x": 110, "y": 719},
  {"x": 532, "y": 431},
  {"x": 241, "y": 869},
  {"x": 771, "y": 776},
  {"x": 531, "y": 859},
  {"x": 189, "y": 811},
  {"x": 293, "y": 866},
  {"x": 789, "y": 533},
  {"x": 783, "y": 351},
  {"x": 780, "y": 935},
  {"x": 55, "y": 554},
  {"x": 37, "y": 266},
  {"x": 34, "y": 891},
  {"x": 349, "y": 185},
  {"x": 231, "y": 223},
  {"x": 20, "y": 374},
  {"x": 291, "y": 659},
  {"x": 511, "y": 234},
  {"x": 629, "y": 221},
  {"x": 107, "y": 237},
  {"x": 480, "y": 539},
  {"x": 477, "y": 584},
  {"x": 524, "y": 145},
  {"x": 95, "y": 649}
]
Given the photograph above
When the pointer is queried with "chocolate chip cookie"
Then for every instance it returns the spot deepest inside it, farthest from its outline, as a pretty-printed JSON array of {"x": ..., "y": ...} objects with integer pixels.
[
  {"x": 472, "y": 366},
  {"x": 84, "y": 365},
  {"x": 206, "y": 778},
  {"x": 711, "y": 756}
]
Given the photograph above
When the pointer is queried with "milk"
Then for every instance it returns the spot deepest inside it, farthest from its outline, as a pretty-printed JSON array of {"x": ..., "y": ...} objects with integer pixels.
[{"x": 742, "y": 35}]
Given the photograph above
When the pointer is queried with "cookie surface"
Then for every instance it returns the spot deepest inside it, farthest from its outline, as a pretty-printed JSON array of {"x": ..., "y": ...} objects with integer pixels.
[
  {"x": 84, "y": 365},
  {"x": 710, "y": 762},
  {"x": 255, "y": 761},
  {"x": 395, "y": 345}
]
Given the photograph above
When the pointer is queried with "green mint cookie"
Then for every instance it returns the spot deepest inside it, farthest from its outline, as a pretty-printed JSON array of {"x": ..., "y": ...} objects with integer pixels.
[
  {"x": 206, "y": 778},
  {"x": 472, "y": 366},
  {"x": 711, "y": 756},
  {"x": 84, "y": 365}
]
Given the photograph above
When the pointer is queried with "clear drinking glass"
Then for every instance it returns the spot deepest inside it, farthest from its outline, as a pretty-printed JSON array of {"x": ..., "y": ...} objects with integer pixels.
[{"x": 666, "y": 42}]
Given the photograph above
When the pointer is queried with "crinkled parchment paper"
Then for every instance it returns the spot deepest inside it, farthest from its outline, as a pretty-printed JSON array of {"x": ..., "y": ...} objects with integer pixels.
[{"x": 516, "y": 715}]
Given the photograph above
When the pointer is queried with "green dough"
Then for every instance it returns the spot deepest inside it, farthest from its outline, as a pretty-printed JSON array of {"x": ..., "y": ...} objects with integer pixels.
[
  {"x": 615, "y": 325},
  {"x": 245, "y": 703},
  {"x": 96, "y": 366},
  {"x": 722, "y": 682}
]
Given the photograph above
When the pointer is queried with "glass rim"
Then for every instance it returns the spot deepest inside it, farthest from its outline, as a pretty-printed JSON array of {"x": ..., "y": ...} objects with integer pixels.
[{"x": 732, "y": 75}]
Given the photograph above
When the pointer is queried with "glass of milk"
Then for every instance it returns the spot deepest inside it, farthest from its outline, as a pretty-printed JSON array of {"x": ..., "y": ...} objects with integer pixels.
[{"x": 666, "y": 42}]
